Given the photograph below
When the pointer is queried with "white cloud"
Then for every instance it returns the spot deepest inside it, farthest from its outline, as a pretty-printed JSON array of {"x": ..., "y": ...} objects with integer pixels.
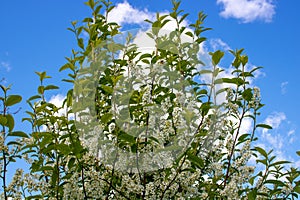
[
  {"x": 283, "y": 87},
  {"x": 218, "y": 44},
  {"x": 124, "y": 13},
  {"x": 291, "y": 132},
  {"x": 274, "y": 120},
  {"x": 248, "y": 10},
  {"x": 291, "y": 135},
  {"x": 145, "y": 43},
  {"x": 246, "y": 126},
  {"x": 5, "y": 65},
  {"x": 58, "y": 100},
  {"x": 292, "y": 140},
  {"x": 275, "y": 140}
]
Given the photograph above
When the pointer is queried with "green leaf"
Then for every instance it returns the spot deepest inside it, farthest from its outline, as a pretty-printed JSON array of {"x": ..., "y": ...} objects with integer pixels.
[
  {"x": 244, "y": 60},
  {"x": 13, "y": 99},
  {"x": 252, "y": 195},
  {"x": 110, "y": 9},
  {"x": 221, "y": 91},
  {"x": 146, "y": 61},
  {"x": 66, "y": 66},
  {"x": 203, "y": 91},
  {"x": 113, "y": 47},
  {"x": 262, "y": 151},
  {"x": 3, "y": 120},
  {"x": 54, "y": 177},
  {"x": 298, "y": 153},
  {"x": 71, "y": 163},
  {"x": 275, "y": 182},
  {"x": 51, "y": 87},
  {"x": 217, "y": 56},
  {"x": 205, "y": 71},
  {"x": 10, "y": 122},
  {"x": 262, "y": 161},
  {"x": 154, "y": 139},
  {"x": 92, "y": 4},
  {"x": 145, "y": 55},
  {"x": 254, "y": 69},
  {"x": 195, "y": 159},
  {"x": 106, "y": 118},
  {"x": 68, "y": 80},
  {"x": 190, "y": 34},
  {"x": 247, "y": 94},
  {"x": 63, "y": 148},
  {"x": 42, "y": 75},
  {"x": 251, "y": 180},
  {"x": 13, "y": 143},
  {"x": 170, "y": 148},
  {"x": 236, "y": 81},
  {"x": 218, "y": 81},
  {"x": 107, "y": 89},
  {"x": 279, "y": 163},
  {"x": 41, "y": 89},
  {"x": 200, "y": 40},
  {"x": 126, "y": 137},
  {"x": 4, "y": 89},
  {"x": 205, "y": 108},
  {"x": 35, "y": 197},
  {"x": 88, "y": 19},
  {"x": 69, "y": 99},
  {"x": 297, "y": 189},
  {"x": 264, "y": 126},
  {"x": 34, "y": 97},
  {"x": 183, "y": 17},
  {"x": 156, "y": 26},
  {"x": 243, "y": 137},
  {"x": 80, "y": 43},
  {"x": 18, "y": 134}
]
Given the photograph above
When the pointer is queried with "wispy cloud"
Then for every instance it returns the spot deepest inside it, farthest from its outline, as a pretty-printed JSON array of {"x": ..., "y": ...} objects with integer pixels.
[
  {"x": 248, "y": 10},
  {"x": 291, "y": 132},
  {"x": 274, "y": 120},
  {"x": 218, "y": 44},
  {"x": 283, "y": 87},
  {"x": 291, "y": 136},
  {"x": 5, "y": 65},
  {"x": 124, "y": 13}
]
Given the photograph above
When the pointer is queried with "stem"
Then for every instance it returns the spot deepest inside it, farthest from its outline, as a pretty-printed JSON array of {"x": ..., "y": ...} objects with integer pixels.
[
  {"x": 232, "y": 149},
  {"x": 4, "y": 154},
  {"x": 83, "y": 183},
  {"x": 4, "y": 175},
  {"x": 57, "y": 170},
  {"x": 254, "y": 126},
  {"x": 111, "y": 180},
  {"x": 174, "y": 178},
  {"x": 115, "y": 189}
]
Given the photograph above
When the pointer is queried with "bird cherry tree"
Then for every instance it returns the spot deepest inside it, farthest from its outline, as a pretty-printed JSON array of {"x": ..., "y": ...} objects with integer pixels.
[{"x": 149, "y": 116}]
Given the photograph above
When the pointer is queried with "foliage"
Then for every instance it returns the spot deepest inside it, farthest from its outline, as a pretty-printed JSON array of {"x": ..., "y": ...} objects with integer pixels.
[{"x": 143, "y": 125}]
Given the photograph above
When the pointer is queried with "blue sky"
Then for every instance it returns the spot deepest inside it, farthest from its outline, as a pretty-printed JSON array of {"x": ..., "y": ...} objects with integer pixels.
[{"x": 34, "y": 37}]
